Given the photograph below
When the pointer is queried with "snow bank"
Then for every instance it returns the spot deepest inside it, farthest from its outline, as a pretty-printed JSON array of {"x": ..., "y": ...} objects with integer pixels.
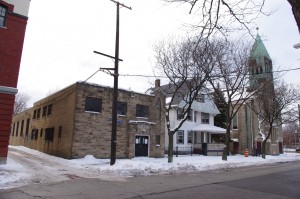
[{"x": 14, "y": 174}]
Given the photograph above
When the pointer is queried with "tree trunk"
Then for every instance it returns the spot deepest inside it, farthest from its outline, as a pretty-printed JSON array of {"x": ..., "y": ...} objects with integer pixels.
[
  {"x": 296, "y": 11},
  {"x": 227, "y": 136},
  {"x": 263, "y": 149},
  {"x": 170, "y": 148}
]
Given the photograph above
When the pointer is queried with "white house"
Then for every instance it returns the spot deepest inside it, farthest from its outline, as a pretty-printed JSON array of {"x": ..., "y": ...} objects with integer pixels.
[{"x": 198, "y": 134}]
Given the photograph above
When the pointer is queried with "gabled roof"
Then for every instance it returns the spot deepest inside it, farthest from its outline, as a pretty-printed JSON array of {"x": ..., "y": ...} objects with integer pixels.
[{"x": 259, "y": 49}]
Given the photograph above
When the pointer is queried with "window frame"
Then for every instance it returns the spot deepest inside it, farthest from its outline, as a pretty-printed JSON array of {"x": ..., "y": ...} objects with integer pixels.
[
  {"x": 49, "y": 110},
  {"x": 90, "y": 105},
  {"x": 44, "y": 112},
  {"x": 190, "y": 137},
  {"x": 180, "y": 114},
  {"x": 142, "y": 111},
  {"x": 180, "y": 136},
  {"x": 121, "y": 108},
  {"x": 49, "y": 134},
  {"x": 3, "y": 15},
  {"x": 204, "y": 118},
  {"x": 234, "y": 122}
]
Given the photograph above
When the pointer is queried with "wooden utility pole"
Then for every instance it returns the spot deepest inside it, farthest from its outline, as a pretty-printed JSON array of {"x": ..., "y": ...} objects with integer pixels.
[{"x": 115, "y": 94}]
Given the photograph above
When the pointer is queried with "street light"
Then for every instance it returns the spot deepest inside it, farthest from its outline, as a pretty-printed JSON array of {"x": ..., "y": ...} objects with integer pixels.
[{"x": 297, "y": 46}]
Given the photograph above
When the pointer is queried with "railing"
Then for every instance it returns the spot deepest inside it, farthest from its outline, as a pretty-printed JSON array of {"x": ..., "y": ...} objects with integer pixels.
[
  {"x": 204, "y": 149},
  {"x": 181, "y": 150}
]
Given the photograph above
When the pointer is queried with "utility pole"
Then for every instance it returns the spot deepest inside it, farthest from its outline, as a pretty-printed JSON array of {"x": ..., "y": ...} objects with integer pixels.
[{"x": 115, "y": 92}]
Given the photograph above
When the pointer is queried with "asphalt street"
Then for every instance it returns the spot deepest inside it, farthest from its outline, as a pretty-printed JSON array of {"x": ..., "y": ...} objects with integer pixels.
[{"x": 281, "y": 180}]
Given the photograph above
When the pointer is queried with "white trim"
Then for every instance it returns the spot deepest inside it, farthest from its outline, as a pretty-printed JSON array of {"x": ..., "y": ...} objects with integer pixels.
[{"x": 8, "y": 90}]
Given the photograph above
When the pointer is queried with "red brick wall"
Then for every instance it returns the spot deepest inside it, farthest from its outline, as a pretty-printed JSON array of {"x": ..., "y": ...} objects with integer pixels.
[
  {"x": 6, "y": 111},
  {"x": 11, "y": 45}
]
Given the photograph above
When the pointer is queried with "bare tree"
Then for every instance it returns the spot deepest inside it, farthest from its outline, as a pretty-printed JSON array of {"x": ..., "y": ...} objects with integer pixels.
[
  {"x": 290, "y": 134},
  {"x": 274, "y": 106},
  {"x": 223, "y": 16},
  {"x": 187, "y": 65},
  {"x": 296, "y": 11},
  {"x": 21, "y": 100},
  {"x": 228, "y": 15},
  {"x": 231, "y": 73}
]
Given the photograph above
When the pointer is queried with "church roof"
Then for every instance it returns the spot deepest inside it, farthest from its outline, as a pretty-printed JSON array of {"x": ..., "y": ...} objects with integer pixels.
[{"x": 259, "y": 49}]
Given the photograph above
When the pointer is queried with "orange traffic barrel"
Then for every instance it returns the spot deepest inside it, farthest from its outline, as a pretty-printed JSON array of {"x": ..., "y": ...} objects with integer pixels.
[{"x": 246, "y": 153}]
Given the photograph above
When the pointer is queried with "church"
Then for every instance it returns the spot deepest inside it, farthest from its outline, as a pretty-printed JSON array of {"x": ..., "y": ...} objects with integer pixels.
[{"x": 247, "y": 127}]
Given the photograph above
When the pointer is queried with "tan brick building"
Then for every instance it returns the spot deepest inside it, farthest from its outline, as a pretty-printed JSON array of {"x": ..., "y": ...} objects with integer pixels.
[{"x": 76, "y": 121}]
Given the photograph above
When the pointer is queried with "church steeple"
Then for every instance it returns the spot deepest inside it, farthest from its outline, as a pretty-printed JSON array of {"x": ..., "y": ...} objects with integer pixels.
[{"x": 260, "y": 64}]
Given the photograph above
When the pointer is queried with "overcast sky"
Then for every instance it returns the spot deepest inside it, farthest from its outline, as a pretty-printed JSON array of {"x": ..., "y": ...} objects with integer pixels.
[{"x": 62, "y": 35}]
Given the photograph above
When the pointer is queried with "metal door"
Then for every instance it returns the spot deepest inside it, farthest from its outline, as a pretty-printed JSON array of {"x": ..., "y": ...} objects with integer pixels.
[{"x": 141, "y": 146}]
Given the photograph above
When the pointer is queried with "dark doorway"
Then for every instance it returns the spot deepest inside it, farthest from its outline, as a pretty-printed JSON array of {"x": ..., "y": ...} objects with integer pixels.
[
  {"x": 280, "y": 148},
  {"x": 235, "y": 148},
  {"x": 141, "y": 146}
]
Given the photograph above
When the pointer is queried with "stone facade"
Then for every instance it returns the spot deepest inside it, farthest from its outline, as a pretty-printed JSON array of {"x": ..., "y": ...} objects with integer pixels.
[
  {"x": 247, "y": 133},
  {"x": 78, "y": 130}
]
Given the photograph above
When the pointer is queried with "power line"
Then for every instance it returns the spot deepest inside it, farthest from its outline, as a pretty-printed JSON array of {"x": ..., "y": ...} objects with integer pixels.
[{"x": 138, "y": 75}]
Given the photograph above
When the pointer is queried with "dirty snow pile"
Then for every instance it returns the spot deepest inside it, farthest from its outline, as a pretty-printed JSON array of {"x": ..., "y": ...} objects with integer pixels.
[{"x": 16, "y": 173}]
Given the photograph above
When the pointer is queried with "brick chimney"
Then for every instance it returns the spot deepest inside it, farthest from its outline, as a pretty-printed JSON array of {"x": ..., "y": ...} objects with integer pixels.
[{"x": 157, "y": 83}]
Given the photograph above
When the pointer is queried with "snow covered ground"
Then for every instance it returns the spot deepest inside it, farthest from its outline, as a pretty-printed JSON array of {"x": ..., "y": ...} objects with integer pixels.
[{"x": 26, "y": 166}]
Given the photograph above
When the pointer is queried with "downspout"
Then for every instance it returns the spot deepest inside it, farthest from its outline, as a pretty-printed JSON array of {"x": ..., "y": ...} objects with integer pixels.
[{"x": 247, "y": 130}]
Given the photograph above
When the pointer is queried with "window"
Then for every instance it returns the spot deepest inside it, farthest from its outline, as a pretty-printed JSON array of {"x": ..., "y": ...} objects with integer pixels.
[
  {"x": 32, "y": 133},
  {"x": 49, "y": 110},
  {"x": 44, "y": 111},
  {"x": 3, "y": 11},
  {"x": 27, "y": 127},
  {"x": 235, "y": 122},
  {"x": 157, "y": 140},
  {"x": 200, "y": 98},
  {"x": 22, "y": 127},
  {"x": 180, "y": 137},
  {"x": 195, "y": 116},
  {"x": 252, "y": 66},
  {"x": 93, "y": 104},
  {"x": 142, "y": 111},
  {"x": 190, "y": 137},
  {"x": 205, "y": 118},
  {"x": 38, "y": 113},
  {"x": 121, "y": 108},
  {"x": 268, "y": 65},
  {"x": 34, "y": 114},
  {"x": 36, "y": 134},
  {"x": 41, "y": 134},
  {"x": 180, "y": 114},
  {"x": 17, "y": 131},
  {"x": 49, "y": 134}
]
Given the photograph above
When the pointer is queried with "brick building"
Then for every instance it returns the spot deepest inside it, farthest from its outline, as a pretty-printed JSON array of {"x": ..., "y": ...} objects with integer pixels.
[
  {"x": 76, "y": 121},
  {"x": 13, "y": 20}
]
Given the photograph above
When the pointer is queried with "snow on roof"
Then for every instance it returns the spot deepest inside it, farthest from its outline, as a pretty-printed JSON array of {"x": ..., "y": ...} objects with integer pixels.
[
  {"x": 206, "y": 107},
  {"x": 209, "y": 128},
  {"x": 140, "y": 122}
]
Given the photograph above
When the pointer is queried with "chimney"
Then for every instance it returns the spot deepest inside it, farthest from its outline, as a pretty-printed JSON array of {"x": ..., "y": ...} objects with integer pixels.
[{"x": 157, "y": 83}]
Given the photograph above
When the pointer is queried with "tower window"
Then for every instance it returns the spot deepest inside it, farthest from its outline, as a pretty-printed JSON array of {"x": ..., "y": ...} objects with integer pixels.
[
  {"x": 3, "y": 11},
  {"x": 268, "y": 65}
]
